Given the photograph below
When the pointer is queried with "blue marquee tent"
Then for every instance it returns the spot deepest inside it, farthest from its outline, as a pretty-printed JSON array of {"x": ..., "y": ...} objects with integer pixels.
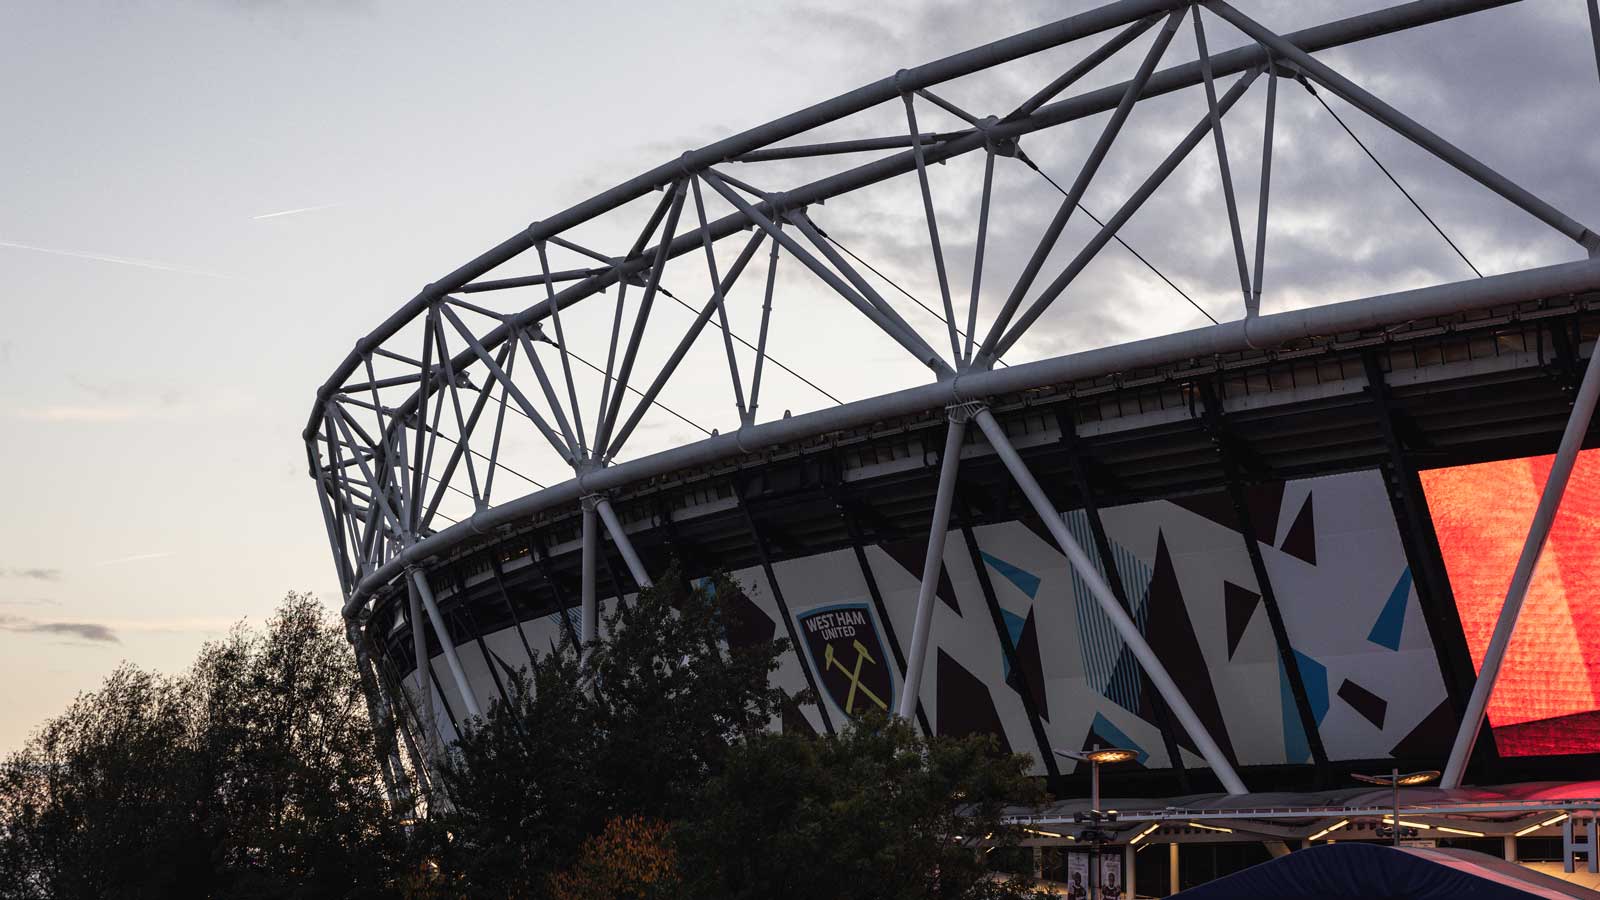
[{"x": 1345, "y": 871}]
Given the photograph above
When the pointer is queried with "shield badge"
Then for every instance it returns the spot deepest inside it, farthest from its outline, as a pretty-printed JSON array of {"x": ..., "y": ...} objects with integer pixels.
[{"x": 847, "y": 653}]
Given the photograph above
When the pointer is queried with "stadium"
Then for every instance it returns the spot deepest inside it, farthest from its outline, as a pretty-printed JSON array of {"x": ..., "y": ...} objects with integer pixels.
[{"x": 1264, "y": 555}]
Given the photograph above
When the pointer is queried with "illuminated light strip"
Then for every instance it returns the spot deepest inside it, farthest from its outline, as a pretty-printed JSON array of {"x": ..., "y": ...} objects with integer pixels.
[
  {"x": 1532, "y": 828},
  {"x": 1049, "y": 834},
  {"x": 1458, "y": 831},
  {"x": 1210, "y": 827},
  {"x": 1330, "y": 829},
  {"x": 1389, "y": 820},
  {"x": 1145, "y": 833}
]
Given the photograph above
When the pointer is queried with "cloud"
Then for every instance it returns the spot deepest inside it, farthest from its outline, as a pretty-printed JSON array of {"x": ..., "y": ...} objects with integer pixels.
[
  {"x": 35, "y": 574},
  {"x": 88, "y": 631},
  {"x": 292, "y": 212},
  {"x": 135, "y": 558},
  {"x": 109, "y": 631},
  {"x": 117, "y": 260},
  {"x": 1503, "y": 85}
]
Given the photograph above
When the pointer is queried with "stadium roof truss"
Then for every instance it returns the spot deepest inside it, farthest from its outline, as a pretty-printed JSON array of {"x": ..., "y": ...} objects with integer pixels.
[{"x": 399, "y": 427}]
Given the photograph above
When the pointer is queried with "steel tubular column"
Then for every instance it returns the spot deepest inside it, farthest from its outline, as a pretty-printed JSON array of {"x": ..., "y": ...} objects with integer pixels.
[
  {"x": 1067, "y": 425},
  {"x": 499, "y": 575},
  {"x": 932, "y": 564},
  {"x": 444, "y": 700},
  {"x": 419, "y": 644},
  {"x": 591, "y": 547},
  {"x": 1543, "y": 517},
  {"x": 1422, "y": 551},
  {"x": 624, "y": 546},
  {"x": 420, "y": 579},
  {"x": 1008, "y": 648},
  {"x": 1214, "y": 425},
  {"x": 384, "y": 666},
  {"x": 854, "y": 531},
  {"x": 783, "y": 606},
  {"x": 1108, "y": 603},
  {"x": 384, "y": 739}
]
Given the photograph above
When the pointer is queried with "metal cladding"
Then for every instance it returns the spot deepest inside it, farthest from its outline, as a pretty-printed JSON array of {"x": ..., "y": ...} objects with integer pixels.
[{"x": 1048, "y": 565}]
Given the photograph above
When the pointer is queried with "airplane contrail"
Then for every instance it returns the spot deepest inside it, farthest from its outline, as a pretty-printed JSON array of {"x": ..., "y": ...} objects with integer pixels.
[
  {"x": 119, "y": 260},
  {"x": 136, "y": 558},
  {"x": 290, "y": 212}
]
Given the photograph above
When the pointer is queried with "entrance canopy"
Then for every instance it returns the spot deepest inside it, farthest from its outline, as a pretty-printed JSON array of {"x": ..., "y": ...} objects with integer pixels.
[{"x": 1376, "y": 871}]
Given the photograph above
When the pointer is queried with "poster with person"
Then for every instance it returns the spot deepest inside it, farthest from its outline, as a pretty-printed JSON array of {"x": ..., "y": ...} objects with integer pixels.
[
  {"x": 1078, "y": 880},
  {"x": 1111, "y": 876},
  {"x": 1084, "y": 874}
]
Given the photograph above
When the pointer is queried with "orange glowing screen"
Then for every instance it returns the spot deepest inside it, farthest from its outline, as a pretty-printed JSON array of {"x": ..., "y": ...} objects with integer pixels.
[{"x": 1547, "y": 698}]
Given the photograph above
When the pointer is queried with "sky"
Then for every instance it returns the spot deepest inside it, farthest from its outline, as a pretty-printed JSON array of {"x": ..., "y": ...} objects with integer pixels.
[{"x": 207, "y": 202}]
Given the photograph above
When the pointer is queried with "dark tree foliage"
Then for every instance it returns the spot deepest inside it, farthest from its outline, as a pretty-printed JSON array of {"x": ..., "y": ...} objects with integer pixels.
[
  {"x": 877, "y": 812},
  {"x": 643, "y": 766},
  {"x": 635, "y": 729},
  {"x": 253, "y": 775}
]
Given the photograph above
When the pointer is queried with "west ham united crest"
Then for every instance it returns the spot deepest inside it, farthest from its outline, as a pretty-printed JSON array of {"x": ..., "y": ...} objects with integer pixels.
[{"x": 848, "y": 656}]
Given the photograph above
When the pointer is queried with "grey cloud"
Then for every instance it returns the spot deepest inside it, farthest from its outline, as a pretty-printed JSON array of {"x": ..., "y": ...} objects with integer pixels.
[
  {"x": 34, "y": 574},
  {"x": 1513, "y": 87},
  {"x": 88, "y": 631}
]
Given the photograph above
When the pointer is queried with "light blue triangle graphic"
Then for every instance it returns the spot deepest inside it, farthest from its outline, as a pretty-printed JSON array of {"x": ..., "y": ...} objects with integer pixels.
[
  {"x": 1014, "y": 625},
  {"x": 1026, "y": 582},
  {"x": 1103, "y": 727},
  {"x": 1386, "y": 631},
  {"x": 1296, "y": 749}
]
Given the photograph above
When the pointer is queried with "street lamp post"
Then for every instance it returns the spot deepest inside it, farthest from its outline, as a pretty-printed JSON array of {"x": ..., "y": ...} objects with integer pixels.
[
  {"x": 1394, "y": 780},
  {"x": 1095, "y": 758}
]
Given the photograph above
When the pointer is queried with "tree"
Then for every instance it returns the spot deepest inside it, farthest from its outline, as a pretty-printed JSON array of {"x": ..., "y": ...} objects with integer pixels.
[
  {"x": 632, "y": 859},
  {"x": 254, "y": 774},
  {"x": 633, "y": 726},
  {"x": 97, "y": 804},
  {"x": 294, "y": 797},
  {"x": 876, "y": 812}
]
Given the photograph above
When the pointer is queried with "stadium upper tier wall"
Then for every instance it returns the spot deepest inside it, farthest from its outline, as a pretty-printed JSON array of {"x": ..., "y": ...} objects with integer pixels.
[{"x": 1386, "y": 519}]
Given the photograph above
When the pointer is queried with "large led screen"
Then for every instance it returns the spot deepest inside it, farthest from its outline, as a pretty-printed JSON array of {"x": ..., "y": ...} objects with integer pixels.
[{"x": 1547, "y": 698}]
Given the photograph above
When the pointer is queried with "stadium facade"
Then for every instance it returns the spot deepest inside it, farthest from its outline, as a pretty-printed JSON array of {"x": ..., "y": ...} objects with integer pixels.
[{"x": 1263, "y": 554}]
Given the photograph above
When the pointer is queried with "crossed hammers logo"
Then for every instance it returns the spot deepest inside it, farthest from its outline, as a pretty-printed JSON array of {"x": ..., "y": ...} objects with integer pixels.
[{"x": 862, "y": 653}]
